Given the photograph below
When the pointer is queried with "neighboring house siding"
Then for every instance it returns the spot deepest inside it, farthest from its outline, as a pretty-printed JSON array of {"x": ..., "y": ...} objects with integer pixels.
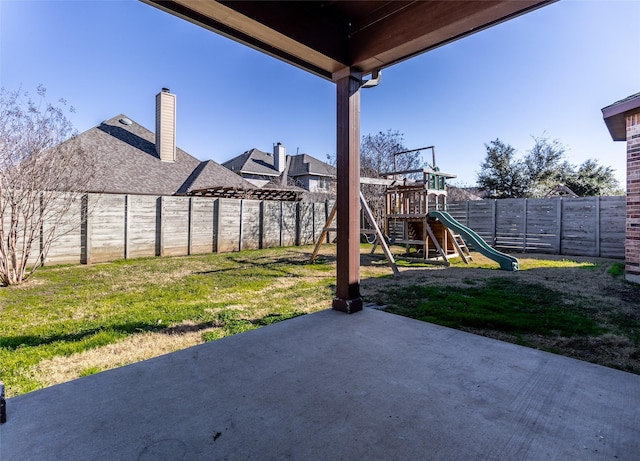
[{"x": 317, "y": 184}]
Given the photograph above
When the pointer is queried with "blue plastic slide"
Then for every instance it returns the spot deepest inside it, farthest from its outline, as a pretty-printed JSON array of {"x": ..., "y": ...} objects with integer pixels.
[{"x": 507, "y": 262}]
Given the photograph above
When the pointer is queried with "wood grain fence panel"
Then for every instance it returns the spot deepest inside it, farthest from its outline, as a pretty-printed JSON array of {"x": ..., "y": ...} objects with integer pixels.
[
  {"x": 143, "y": 232},
  {"x": 579, "y": 226},
  {"x": 480, "y": 219},
  {"x": 319, "y": 219},
  {"x": 270, "y": 224},
  {"x": 588, "y": 226},
  {"x": 459, "y": 211},
  {"x": 306, "y": 222},
  {"x": 289, "y": 223},
  {"x": 229, "y": 225},
  {"x": 106, "y": 216},
  {"x": 542, "y": 226},
  {"x": 201, "y": 225},
  {"x": 251, "y": 224},
  {"x": 175, "y": 226},
  {"x": 613, "y": 212},
  {"x": 67, "y": 230},
  {"x": 510, "y": 224}
]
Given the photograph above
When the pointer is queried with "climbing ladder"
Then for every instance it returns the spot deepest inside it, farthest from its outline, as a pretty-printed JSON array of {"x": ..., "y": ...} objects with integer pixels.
[{"x": 461, "y": 246}]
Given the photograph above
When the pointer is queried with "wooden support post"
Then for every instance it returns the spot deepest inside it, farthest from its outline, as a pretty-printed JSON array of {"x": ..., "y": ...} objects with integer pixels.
[
  {"x": 348, "y": 193},
  {"x": 3, "y": 405}
]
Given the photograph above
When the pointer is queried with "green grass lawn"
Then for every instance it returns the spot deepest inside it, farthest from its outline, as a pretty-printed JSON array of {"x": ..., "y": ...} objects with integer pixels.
[
  {"x": 74, "y": 321},
  {"x": 69, "y": 310}
]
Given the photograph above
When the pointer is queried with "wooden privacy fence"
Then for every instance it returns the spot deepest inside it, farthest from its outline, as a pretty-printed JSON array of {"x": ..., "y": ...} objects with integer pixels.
[
  {"x": 586, "y": 226},
  {"x": 102, "y": 228},
  {"x": 133, "y": 226}
]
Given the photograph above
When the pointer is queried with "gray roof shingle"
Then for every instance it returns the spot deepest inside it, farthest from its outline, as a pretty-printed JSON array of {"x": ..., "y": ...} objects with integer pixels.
[
  {"x": 256, "y": 162},
  {"x": 253, "y": 161},
  {"x": 126, "y": 163}
]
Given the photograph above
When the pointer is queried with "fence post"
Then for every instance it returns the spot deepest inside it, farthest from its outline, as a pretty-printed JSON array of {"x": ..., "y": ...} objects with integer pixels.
[
  {"x": 127, "y": 212},
  {"x": 524, "y": 228},
  {"x": 313, "y": 222},
  {"x": 159, "y": 227},
  {"x": 190, "y": 227},
  {"x": 597, "y": 225},
  {"x": 466, "y": 216},
  {"x": 216, "y": 225},
  {"x": 261, "y": 225},
  {"x": 241, "y": 227},
  {"x": 559, "y": 226},
  {"x": 281, "y": 223},
  {"x": 85, "y": 230},
  {"x": 3, "y": 405},
  {"x": 298, "y": 225},
  {"x": 494, "y": 218}
]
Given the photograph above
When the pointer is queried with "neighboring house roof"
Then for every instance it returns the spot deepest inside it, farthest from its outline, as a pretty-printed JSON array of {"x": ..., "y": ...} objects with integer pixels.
[
  {"x": 305, "y": 164},
  {"x": 253, "y": 161},
  {"x": 456, "y": 194},
  {"x": 615, "y": 116},
  {"x": 256, "y": 162},
  {"x": 127, "y": 163},
  {"x": 560, "y": 191}
]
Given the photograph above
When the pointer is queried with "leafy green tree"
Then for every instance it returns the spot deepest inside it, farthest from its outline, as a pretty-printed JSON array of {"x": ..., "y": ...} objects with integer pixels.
[
  {"x": 592, "y": 179},
  {"x": 501, "y": 174},
  {"x": 543, "y": 166}
]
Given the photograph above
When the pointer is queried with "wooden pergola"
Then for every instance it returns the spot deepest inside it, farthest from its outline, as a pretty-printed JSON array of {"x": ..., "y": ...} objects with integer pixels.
[{"x": 345, "y": 41}]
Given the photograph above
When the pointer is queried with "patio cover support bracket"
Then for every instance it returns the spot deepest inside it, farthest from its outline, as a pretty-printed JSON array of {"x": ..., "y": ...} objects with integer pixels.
[{"x": 348, "y": 297}]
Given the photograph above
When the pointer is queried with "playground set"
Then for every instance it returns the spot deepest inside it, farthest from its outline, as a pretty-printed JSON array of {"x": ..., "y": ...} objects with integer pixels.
[{"x": 416, "y": 217}]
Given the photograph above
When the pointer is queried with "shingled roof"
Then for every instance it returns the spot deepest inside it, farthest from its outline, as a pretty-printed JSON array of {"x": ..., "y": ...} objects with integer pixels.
[
  {"x": 253, "y": 161},
  {"x": 305, "y": 164},
  {"x": 127, "y": 163},
  {"x": 256, "y": 162}
]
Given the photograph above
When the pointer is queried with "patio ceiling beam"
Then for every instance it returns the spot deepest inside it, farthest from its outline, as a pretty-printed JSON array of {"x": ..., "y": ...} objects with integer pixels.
[{"x": 421, "y": 26}]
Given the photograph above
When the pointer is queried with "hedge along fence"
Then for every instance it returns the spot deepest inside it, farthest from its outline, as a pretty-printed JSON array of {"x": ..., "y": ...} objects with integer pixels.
[
  {"x": 105, "y": 227},
  {"x": 586, "y": 226}
]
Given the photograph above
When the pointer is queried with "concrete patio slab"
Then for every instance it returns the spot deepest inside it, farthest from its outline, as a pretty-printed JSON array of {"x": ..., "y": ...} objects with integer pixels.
[{"x": 330, "y": 386}]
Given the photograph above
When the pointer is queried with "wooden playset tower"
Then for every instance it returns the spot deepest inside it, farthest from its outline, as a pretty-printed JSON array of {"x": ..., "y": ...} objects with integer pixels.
[{"x": 410, "y": 219}]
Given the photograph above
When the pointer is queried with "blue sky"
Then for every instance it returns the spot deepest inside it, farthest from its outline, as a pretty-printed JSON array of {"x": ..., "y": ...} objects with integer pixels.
[{"x": 549, "y": 72}]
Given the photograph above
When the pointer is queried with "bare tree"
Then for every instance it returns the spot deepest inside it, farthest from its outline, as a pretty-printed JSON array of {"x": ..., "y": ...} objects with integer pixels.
[
  {"x": 377, "y": 156},
  {"x": 43, "y": 171}
]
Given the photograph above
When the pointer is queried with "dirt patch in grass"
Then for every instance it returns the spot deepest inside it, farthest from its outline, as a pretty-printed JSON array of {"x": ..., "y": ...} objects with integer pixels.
[
  {"x": 597, "y": 313},
  {"x": 129, "y": 350}
]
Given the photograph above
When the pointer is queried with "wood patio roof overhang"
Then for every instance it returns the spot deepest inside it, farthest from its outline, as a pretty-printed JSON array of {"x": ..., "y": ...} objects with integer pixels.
[{"x": 326, "y": 37}]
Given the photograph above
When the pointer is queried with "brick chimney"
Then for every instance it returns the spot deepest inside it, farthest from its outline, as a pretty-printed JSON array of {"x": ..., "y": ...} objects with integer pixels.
[
  {"x": 279, "y": 157},
  {"x": 166, "y": 125}
]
